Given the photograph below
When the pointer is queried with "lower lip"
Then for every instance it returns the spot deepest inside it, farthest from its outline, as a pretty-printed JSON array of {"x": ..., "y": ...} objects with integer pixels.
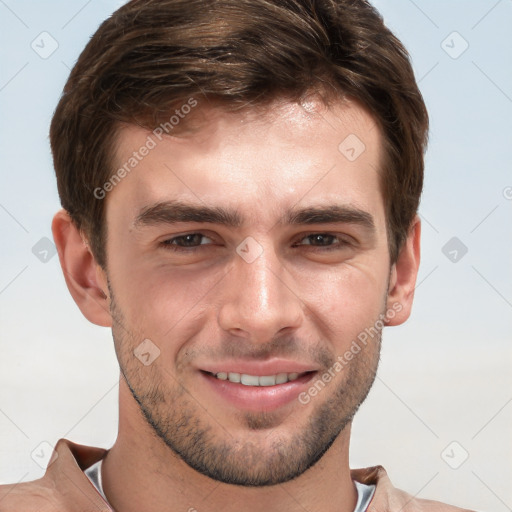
[{"x": 259, "y": 398}]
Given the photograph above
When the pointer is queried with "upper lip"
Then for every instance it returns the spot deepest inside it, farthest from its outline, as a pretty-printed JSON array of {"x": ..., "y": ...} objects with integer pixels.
[{"x": 270, "y": 367}]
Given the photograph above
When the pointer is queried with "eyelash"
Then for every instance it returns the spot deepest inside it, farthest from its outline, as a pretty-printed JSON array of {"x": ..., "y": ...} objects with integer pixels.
[{"x": 342, "y": 242}]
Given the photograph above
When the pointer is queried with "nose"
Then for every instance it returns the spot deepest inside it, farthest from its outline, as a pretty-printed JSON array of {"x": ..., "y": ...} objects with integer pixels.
[{"x": 259, "y": 300}]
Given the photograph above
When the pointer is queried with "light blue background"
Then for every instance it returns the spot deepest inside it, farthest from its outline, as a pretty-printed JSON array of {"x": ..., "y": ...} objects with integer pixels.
[{"x": 445, "y": 375}]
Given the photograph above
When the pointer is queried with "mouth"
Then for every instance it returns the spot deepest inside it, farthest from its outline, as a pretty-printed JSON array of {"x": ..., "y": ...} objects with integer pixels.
[
  {"x": 258, "y": 380},
  {"x": 257, "y": 393}
]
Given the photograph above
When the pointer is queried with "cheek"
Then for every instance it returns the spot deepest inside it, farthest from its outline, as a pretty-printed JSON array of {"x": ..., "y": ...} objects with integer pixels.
[
  {"x": 344, "y": 302},
  {"x": 164, "y": 303}
]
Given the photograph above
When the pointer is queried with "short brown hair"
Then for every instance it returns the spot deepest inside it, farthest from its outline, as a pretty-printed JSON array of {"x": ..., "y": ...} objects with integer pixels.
[{"x": 153, "y": 55}]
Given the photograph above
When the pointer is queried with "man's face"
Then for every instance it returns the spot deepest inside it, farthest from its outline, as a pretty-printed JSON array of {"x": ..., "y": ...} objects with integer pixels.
[{"x": 252, "y": 246}]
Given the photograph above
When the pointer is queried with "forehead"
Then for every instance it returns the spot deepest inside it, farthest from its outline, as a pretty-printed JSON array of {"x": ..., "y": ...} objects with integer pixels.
[{"x": 259, "y": 162}]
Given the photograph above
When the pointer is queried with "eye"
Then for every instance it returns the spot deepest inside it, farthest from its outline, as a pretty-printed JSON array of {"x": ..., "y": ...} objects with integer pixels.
[
  {"x": 184, "y": 242},
  {"x": 324, "y": 240}
]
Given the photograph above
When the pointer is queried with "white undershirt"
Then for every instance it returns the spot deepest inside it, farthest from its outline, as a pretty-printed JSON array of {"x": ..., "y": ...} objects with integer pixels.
[
  {"x": 94, "y": 474},
  {"x": 364, "y": 492}
]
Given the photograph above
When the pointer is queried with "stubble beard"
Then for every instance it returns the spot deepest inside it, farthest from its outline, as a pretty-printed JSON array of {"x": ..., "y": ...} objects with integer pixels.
[{"x": 266, "y": 454}]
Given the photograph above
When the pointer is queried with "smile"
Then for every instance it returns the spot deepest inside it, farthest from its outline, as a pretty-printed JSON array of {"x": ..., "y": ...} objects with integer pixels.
[{"x": 257, "y": 380}]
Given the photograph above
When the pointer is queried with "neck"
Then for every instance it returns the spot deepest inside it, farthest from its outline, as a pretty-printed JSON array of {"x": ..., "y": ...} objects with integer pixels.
[{"x": 141, "y": 473}]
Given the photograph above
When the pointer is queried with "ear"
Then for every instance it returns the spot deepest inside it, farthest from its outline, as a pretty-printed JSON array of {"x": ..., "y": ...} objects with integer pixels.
[
  {"x": 86, "y": 280},
  {"x": 403, "y": 277}
]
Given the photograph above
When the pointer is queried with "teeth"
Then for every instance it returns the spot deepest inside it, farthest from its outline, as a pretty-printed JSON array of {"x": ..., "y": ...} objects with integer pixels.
[
  {"x": 249, "y": 380},
  {"x": 233, "y": 377},
  {"x": 257, "y": 380},
  {"x": 281, "y": 378},
  {"x": 267, "y": 380}
]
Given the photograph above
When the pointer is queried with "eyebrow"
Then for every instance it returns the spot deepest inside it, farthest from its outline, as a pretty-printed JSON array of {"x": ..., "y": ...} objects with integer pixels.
[
  {"x": 172, "y": 212},
  {"x": 330, "y": 214}
]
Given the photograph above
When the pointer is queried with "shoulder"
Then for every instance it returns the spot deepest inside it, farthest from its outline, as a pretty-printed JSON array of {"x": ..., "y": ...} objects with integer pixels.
[
  {"x": 27, "y": 496},
  {"x": 388, "y": 498},
  {"x": 63, "y": 487}
]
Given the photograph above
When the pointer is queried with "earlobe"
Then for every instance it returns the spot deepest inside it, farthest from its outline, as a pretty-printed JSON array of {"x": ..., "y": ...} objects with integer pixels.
[
  {"x": 403, "y": 276},
  {"x": 85, "y": 280}
]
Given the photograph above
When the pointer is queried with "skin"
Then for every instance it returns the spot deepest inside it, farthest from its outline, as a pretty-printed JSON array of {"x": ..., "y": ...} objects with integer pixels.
[{"x": 181, "y": 446}]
